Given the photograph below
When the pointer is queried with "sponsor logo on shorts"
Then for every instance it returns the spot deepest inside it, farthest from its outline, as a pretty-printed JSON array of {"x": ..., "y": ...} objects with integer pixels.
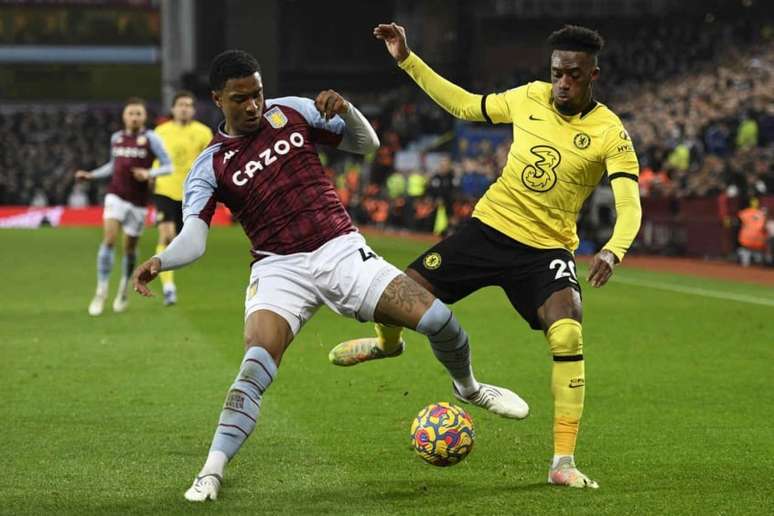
[
  {"x": 582, "y": 140},
  {"x": 432, "y": 261},
  {"x": 577, "y": 382},
  {"x": 276, "y": 118}
]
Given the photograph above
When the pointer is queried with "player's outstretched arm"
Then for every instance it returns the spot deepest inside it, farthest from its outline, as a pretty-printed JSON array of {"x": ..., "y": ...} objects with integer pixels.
[
  {"x": 455, "y": 100},
  {"x": 627, "y": 224},
  {"x": 105, "y": 170},
  {"x": 186, "y": 248}
]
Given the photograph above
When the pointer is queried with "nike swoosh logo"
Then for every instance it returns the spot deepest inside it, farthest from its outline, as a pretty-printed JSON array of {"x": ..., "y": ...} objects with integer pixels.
[{"x": 532, "y": 117}]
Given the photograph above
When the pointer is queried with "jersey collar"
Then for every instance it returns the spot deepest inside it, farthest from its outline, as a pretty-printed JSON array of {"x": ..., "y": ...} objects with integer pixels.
[
  {"x": 593, "y": 104},
  {"x": 222, "y": 126}
]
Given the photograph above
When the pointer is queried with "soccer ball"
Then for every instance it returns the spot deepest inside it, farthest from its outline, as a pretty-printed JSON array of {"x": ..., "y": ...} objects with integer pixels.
[{"x": 442, "y": 434}]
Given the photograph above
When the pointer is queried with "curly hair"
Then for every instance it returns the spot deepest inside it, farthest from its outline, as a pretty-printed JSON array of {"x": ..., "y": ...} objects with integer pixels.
[
  {"x": 576, "y": 38},
  {"x": 231, "y": 64}
]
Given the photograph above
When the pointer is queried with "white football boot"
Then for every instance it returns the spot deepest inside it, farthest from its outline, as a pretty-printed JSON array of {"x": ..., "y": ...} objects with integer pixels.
[
  {"x": 170, "y": 295},
  {"x": 566, "y": 474},
  {"x": 122, "y": 300},
  {"x": 499, "y": 400},
  {"x": 204, "y": 488},
  {"x": 97, "y": 304}
]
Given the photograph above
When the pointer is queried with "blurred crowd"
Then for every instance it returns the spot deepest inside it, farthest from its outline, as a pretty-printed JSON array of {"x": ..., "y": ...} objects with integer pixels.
[
  {"x": 42, "y": 148},
  {"x": 696, "y": 99},
  {"x": 706, "y": 133}
]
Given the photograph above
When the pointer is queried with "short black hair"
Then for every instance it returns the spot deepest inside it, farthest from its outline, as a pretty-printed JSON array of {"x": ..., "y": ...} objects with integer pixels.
[
  {"x": 131, "y": 101},
  {"x": 231, "y": 64},
  {"x": 577, "y": 39},
  {"x": 181, "y": 94}
]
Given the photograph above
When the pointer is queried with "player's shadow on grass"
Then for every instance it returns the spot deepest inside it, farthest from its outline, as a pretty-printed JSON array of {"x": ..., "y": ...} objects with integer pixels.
[{"x": 372, "y": 495}]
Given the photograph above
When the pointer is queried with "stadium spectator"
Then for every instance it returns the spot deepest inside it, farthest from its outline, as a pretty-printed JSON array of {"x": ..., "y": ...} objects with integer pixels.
[
  {"x": 752, "y": 234},
  {"x": 442, "y": 185}
]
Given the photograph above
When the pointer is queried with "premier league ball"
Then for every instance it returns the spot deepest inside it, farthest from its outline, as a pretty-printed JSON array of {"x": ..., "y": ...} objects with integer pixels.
[{"x": 442, "y": 434}]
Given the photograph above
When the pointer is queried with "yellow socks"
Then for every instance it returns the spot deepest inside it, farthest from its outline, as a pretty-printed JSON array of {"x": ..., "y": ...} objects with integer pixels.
[
  {"x": 567, "y": 382},
  {"x": 388, "y": 336},
  {"x": 167, "y": 277}
]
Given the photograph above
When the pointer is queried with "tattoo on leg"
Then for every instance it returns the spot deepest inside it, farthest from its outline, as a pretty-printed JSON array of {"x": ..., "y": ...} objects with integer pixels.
[{"x": 404, "y": 295}]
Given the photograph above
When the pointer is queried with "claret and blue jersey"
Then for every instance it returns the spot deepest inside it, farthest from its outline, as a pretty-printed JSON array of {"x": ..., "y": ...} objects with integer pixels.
[{"x": 272, "y": 180}]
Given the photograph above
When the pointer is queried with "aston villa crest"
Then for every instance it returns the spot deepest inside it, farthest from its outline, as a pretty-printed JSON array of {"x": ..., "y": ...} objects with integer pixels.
[{"x": 276, "y": 118}]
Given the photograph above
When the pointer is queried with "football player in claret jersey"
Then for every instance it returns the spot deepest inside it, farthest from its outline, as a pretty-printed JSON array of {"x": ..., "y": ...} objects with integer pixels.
[
  {"x": 523, "y": 231},
  {"x": 132, "y": 152},
  {"x": 184, "y": 138},
  {"x": 264, "y": 166}
]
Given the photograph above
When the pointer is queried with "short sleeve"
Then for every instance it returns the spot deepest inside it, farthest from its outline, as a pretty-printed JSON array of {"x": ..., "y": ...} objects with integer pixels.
[
  {"x": 326, "y": 132},
  {"x": 201, "y": 184}
]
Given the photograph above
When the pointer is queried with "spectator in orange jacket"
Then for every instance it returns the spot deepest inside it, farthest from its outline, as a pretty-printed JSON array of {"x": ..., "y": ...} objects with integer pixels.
[{"x": 752, "y": 234}]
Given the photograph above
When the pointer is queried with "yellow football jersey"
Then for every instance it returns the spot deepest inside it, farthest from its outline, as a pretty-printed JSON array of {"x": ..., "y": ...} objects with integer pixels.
[
  {"x": 183, "y": 143},
  {"x": 554, "y": 163}
]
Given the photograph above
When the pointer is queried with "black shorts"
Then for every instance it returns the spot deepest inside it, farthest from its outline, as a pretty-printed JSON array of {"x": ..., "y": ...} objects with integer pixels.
[
  {"x": 168, "y": 210},
  {"x": 479, "y": 256}
]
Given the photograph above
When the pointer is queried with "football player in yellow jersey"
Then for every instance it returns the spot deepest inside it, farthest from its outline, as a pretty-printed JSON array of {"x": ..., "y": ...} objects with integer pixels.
[
  {"x": 184, "y": 139},
  {"x": 523, "y": 231}
]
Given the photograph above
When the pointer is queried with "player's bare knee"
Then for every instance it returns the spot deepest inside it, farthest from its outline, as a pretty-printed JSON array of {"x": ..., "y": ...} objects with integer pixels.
[
  {"x": 274, "y": 349},
  {"x": 421, "y": 281},
  {"x": 563, "y": 304},
  {"x": 269, "y": 331}
]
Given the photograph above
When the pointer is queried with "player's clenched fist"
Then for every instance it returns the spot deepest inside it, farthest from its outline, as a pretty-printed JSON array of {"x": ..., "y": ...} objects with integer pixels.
[
  {"x": 329, "y": 104},
  {"x": 144, "y": 274},
  {"x": 394, "y": 37}
]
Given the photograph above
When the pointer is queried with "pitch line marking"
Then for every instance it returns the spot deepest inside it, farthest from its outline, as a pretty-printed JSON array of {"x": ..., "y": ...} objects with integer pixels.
[{"x": 717, "y": 294}]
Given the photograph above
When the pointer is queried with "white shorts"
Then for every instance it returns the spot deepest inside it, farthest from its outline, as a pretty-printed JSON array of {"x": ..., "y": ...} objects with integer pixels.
[
  {"x": 344, "y": 274},
  {"x": 131, "y": 217}
]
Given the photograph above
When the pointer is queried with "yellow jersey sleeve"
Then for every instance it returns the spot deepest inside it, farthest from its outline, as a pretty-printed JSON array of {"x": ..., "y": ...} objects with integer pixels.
[
  {"x": 619, "y": 152},
  {"x": 455, "y": 100},
  {"x": 623, "y": 171},
  {"x": 497, "y": 106}
]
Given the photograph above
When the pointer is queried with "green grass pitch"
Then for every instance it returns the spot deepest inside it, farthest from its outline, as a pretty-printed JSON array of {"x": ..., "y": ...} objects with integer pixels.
[{"x": 114, "y": 415}]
